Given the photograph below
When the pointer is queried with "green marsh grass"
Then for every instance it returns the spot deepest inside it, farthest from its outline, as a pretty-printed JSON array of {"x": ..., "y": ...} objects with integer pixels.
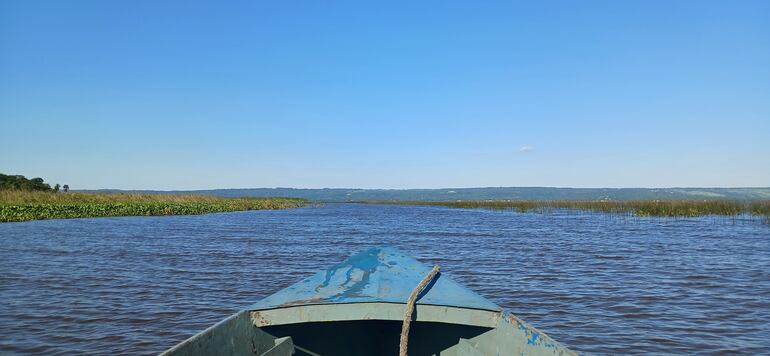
[
  {"x": 641, "y": 208},
  {"x": 32, "y": 205}
]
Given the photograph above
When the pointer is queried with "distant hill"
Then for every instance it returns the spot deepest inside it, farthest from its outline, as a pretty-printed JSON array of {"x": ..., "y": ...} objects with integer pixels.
[{"x": 513, "y": 193}]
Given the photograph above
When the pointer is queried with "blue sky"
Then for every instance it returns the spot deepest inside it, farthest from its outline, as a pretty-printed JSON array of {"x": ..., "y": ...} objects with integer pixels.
[{"x": 193, "y": 95}]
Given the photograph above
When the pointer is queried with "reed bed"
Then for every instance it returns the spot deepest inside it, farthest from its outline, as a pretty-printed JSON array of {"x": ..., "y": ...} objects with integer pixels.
[
  {"x": 35, "y": 205},
  {"x": 642, "y": 208}
]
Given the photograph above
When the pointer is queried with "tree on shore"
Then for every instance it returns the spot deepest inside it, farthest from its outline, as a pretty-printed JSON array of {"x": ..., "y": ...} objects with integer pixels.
[
  {"x": 66, "y": 188},
  {"x": 56, "y": 188},
  {"x": 19, "y": 182}
]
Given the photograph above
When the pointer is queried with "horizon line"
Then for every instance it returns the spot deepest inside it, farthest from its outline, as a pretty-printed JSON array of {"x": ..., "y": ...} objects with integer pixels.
[{"x": 444, "y": 188}]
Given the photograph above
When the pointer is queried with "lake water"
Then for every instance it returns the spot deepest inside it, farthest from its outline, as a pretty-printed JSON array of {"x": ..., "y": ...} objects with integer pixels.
[{"x": 596, "y": 283}]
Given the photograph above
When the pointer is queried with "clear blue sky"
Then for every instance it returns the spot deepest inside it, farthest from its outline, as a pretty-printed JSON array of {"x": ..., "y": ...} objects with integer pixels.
[{"x": 189, "y": 95}]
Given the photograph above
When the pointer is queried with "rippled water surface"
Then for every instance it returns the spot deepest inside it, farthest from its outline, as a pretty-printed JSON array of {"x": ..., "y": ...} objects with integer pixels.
[{"x": 598, "y": 284}]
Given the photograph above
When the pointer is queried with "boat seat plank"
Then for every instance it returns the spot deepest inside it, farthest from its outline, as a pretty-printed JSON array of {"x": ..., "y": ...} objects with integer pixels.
[
  {"x": 283, "y": 347},
  {"x": 467, "y": 348}
]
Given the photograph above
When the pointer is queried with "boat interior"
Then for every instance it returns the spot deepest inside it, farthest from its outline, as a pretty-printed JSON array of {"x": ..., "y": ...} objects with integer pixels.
[
  {"x": 372, "y": 337},
  {"x": 369, "y": 329}
]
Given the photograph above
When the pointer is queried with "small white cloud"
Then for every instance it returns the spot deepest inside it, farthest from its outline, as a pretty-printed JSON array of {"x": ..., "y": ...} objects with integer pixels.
[{"x": 526, "y": 148}]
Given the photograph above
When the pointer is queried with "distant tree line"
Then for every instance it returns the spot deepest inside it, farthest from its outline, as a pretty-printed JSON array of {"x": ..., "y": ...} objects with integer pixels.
[{"x": 19, "y": 182}]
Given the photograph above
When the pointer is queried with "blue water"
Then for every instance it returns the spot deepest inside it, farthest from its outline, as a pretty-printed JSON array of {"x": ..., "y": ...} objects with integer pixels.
[{"x": 598, "y": 284}]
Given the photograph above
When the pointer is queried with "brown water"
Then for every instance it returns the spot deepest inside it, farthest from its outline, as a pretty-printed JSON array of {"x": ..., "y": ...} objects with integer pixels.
[{"x": 598, "y": 284}]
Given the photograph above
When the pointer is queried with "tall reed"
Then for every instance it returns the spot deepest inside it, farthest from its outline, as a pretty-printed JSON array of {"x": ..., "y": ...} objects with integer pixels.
[{"x": 664, "y": 208}]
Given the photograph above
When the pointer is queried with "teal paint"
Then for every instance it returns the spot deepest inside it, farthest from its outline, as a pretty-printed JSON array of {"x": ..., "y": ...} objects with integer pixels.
[
  {"x": 356, "y": 307},
  {"x": 380, "y": 274}
]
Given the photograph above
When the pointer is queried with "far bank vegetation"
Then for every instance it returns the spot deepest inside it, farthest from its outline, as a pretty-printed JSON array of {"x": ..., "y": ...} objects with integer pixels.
[
  {"x": 641, "y": 208},
  {"x": 24, "y": 199}
]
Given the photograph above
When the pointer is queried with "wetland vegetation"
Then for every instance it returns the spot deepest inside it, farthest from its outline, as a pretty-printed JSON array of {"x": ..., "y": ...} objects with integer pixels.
[
  {"x": 20, "y": 205},
  {"x": 641, "y": 208}
]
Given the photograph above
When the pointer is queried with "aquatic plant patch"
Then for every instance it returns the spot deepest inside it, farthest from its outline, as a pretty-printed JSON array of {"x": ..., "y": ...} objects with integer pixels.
[
  {"x": 23, "y": 206},
  {"x": 642, "y": 208}
]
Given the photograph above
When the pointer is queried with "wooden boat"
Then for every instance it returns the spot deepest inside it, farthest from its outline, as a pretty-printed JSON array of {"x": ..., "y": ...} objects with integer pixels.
[{"x": 357, "y": 307}]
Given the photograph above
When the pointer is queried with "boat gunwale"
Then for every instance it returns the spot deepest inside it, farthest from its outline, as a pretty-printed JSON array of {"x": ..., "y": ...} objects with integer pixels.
[
  {"x": 291, "y": 305},
  {"x": 205, "y": 331},
  {"x": 390, "y": 311}
]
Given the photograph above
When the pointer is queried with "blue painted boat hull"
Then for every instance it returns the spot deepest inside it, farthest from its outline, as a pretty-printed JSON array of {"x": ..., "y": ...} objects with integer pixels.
[{"x": 357, "y": 307}]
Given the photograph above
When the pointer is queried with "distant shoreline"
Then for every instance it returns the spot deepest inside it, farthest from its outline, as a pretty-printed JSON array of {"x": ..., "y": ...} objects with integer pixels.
[
  {"x": 487, "y": 193},
  {"x": 17, "y": 206}
]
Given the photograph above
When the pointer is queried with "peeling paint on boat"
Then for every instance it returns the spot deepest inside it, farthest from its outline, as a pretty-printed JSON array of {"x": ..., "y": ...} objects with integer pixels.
[{"x": 369, "y": 290}]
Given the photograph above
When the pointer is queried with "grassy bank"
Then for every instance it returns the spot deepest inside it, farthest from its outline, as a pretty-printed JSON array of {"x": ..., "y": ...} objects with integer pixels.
[
  {"x": 674, "y": 208},
  {"x": 31, "y": 205}
]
